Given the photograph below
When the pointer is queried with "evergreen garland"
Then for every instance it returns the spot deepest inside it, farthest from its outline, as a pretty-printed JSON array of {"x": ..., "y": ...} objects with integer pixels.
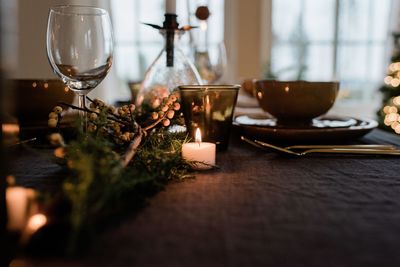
[{"x": 125, "y": 156}]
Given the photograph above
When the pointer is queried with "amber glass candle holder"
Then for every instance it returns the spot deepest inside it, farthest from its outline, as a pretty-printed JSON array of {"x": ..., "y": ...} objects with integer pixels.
[{"x": 210, "y": 108}]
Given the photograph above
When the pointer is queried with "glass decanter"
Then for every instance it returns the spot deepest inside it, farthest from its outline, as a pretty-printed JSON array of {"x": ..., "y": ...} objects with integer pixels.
[{"x": 170, "y": 69}]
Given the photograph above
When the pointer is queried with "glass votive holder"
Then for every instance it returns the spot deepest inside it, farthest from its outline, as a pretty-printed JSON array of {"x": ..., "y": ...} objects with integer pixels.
[{"x": 209, "y": 108}]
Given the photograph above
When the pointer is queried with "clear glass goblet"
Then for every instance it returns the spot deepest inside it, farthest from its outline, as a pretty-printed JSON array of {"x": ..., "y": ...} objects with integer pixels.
[
  {"x": 211, "y": 62},
  {"x": 79, "y": 45}
]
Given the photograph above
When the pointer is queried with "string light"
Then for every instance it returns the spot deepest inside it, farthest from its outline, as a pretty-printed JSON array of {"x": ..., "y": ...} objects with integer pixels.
[
  {"x": 393, "y": 77},
  {"x": 386, "y": 109},
  {"x": 396, "y": 100},
  {"x": 391, "y": 111},
  {"x": 394, "y": 125},
  {"x": 395, "y": 82},
  {"x": 392, "y": 116},
  {"x": 388, "y": 79}
]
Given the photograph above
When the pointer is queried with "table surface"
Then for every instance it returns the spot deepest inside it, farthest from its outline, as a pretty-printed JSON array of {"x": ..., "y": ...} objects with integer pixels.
[{"x": 260, "y": 209}]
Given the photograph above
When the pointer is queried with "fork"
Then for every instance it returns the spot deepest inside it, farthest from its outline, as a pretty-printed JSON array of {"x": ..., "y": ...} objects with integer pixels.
[
  {"x": 363, "y": 146},
  {"x": 340, "y": 150}
]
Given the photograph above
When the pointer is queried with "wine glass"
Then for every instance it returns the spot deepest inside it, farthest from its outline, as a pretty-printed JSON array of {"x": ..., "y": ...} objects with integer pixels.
[
  {"x": 211, "y": 62},
  {"x": 79, "y": 48}
]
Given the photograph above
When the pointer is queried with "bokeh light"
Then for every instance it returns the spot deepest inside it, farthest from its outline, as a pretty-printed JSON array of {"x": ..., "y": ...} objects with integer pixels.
[
  {"x": 36, "y": 222},
  {"x": 392, "y": 117}
]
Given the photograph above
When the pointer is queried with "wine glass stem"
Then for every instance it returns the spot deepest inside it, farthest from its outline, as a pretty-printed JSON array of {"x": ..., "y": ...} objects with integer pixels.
[{"x": 82, "y": 114}]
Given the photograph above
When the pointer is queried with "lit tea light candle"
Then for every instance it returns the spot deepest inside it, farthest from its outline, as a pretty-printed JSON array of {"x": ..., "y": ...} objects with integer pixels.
[
  {"x": 201, "y": 152},
  {"x": 10, "y": 129},
  {"x": 10, "y": 133}
]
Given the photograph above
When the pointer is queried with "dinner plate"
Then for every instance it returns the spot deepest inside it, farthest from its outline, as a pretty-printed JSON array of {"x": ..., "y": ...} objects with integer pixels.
[{"x": 323, "y": 129}]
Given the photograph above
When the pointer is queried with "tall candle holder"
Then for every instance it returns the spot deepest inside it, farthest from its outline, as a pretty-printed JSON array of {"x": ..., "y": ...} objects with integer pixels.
[{"x": 170, "y": 69}]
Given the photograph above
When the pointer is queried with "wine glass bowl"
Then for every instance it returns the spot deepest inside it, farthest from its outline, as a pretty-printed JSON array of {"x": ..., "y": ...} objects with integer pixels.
[
  {"x": 211, "y": 62},
  {"x": 79, "y": 45}
]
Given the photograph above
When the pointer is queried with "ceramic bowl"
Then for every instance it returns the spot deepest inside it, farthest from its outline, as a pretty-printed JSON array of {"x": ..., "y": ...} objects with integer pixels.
[{"x": 296, "y": 102}]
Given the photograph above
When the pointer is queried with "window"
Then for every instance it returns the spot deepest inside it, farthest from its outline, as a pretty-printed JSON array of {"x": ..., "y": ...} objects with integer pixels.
[
  {"x": 332, "y": 39},
  {"x": 138, "y": 45}
]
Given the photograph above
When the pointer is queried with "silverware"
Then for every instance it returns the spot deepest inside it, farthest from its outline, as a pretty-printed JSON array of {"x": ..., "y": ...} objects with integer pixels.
[
  {"x": 340, "y": 150},
  {"x": 382, "y": 147}
]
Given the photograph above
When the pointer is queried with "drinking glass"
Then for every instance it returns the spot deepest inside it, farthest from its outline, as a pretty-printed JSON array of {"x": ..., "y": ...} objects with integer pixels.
[
  {"x": 211, "y": 62},
  {"x": 79, "y": 48},
  {"x": 210, "y": 108}
]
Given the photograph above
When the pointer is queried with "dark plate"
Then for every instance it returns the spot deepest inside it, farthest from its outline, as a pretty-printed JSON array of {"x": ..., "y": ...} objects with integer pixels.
[{"x": 323, "y": 129}]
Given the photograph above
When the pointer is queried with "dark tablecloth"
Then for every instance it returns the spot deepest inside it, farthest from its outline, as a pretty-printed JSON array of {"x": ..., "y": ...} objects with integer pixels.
[{"x": 260, "y": 209}]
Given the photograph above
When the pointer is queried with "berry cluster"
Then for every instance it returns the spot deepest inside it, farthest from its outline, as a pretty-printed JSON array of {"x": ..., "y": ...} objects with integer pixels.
[
  {"x": 120, "y": 123},
  {"x": 167, "y": 110},
  {"x": 55, "y": 117}
]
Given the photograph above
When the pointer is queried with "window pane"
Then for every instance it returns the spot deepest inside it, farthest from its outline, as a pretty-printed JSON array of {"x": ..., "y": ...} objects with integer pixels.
[
  {"x": 319, "y": 19},
  {"x": 127, "y": 64},
  {"x": 355, "y": 90},
  {"x": 380, "y": 19},
  {"x": 133, "y": 60},
  {"x": 285, "y": 61},
  {"x": 377, "y": 63},
  {"x": 285, "y": 18},
  {"x": 352, "y": 62},
  {"x": 147, "y": 54},
  {"x": 123, "y": 21},
  {"x": 354, "y": 20},
  {"x": 319, "y": 63},
  {"x": 150, "y": 11},
  {"x": 307, "y": 28}
]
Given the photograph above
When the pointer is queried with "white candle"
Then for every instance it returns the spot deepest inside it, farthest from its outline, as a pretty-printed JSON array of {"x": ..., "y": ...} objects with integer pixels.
[
  {"x": 17, "y": 203},
  {"x": 201, "y": 152},
  {"x": 10, "y": 129},
  {"x": 10, "y": 133},
  {"x": 170, "y": 6}
]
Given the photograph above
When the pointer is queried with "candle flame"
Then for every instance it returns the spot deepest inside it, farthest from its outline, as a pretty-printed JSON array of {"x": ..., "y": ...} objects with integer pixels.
[
  {"x": 36, "y": 222},
  {"x": 197, "y": 137},
  {"x": 203, "y": 25}
]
